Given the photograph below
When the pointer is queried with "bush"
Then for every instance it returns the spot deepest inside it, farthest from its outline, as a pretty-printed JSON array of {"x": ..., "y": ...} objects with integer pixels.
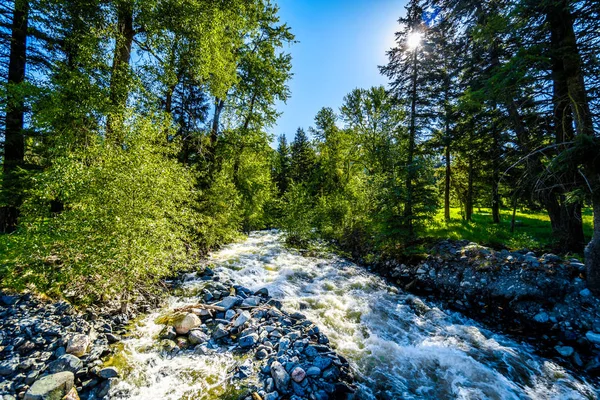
[{"x": 127, "y": 219}]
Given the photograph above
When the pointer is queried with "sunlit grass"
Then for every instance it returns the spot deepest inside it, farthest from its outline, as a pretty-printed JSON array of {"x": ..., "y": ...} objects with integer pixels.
[{"x": 532, "y": 228}]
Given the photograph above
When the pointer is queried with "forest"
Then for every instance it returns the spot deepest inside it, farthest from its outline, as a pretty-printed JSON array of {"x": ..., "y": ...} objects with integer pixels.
[{"x": 136, "y": 136}]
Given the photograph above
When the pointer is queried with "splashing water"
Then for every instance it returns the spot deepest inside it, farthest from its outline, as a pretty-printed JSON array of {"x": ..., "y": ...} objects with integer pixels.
[{"x": 398, "y": 346}]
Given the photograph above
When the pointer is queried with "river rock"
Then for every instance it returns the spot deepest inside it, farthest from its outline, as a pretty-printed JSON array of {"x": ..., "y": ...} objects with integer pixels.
[
  {"x": 593, "y": 337},
  {"x": 541, "y": 317},
  {"x": 248, "y": 340},
  {"x": 264, "y": 292},
  {"x": 78, "y": 345},
  {"x": 196, "y": 336},
  {"x": 51, "y": 387},
  {"x": 108, "y": 372},
  {"x": 220, "y": 332},
  {"x": 280, "y": 376},
  {"x": 565, "y": 351},
  {"x": 66, "y": 362},
  {"x": 298, "y": 374},
  {"x": 228, "y": 302},
  {"x": 313, "y": 371},
  {"x": 242, "y": 319},
  {"x": 72, "y": 395},
  {"x": 184, "y": 324}
]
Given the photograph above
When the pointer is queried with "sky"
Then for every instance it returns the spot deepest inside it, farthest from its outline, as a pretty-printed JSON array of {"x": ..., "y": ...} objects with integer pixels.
[{"x": 340, "y": 46}]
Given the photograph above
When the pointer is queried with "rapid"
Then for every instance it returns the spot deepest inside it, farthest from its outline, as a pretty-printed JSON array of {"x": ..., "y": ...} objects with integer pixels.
[{"x": 399, "y": 346}]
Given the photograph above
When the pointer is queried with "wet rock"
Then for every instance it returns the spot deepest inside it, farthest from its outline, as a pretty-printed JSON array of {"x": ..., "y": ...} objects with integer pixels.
[
  {"x": 185, "y": 323},
  {"x": 264, "y": 292},
  {"x": 228, "y": 302},
  {"x": 66, "y": 362},
  {"x": 78, "y": 345},
  {"x": 593, "y": 337},
  {"x": 51, "y": 387},
  {"x": 196, "y": 336},
  {"x": 313, "y": 371},
  {"x": 280, "y": 377},
  {"x": 251, "y": 302},
  {"x": 108, "y": 372},
  {"x": 248, "y": 340},
  {"x": 168, "y": 332},
  {"x": 241, "y": 319},
  {"x": 565, "y": 351},
  {"x": 542, "y": 317},
  {"x": 298, "y": 374},
  {"x": 220, "y": 332}
]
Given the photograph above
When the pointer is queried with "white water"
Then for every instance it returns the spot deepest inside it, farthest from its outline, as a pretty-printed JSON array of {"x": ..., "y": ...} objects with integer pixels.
[{"x": 396, "y": 350}]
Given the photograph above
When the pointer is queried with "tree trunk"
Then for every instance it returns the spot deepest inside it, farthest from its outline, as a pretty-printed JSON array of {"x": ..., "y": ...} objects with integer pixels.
[
  {"x": 408, "y": 208},
  {"x": 495, "y": 176},
  {"x": 14, "y": 141},
  {"x": 447, "y": 184},
  {"x": 469, "y": 202},
  {"x": 119, "y": 82}
]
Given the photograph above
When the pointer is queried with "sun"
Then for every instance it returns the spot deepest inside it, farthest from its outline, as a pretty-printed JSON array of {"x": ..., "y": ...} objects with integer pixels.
[{"x": 414, "y": 40}]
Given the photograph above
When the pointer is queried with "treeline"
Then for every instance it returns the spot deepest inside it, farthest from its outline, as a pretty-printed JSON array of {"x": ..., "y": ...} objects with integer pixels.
[
  {"x": 134, "y": 136},
  {"x": 491, "y": 103}
]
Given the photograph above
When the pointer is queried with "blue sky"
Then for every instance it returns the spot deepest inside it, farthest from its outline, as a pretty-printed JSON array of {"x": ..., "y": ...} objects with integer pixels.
[{"x": 340, "y": 44}]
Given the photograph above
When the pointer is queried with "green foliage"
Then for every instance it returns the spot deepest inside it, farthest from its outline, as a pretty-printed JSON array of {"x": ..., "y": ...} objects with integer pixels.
[{"x": 127, "y": 221}]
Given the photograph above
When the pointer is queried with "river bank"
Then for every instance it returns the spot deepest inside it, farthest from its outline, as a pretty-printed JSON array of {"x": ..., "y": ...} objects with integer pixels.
[
  {"x": 384, "y": 343},
  {"x": 543, "y": 299}
]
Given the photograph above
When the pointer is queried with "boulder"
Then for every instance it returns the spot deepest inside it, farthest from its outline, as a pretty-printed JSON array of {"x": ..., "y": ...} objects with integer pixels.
[
  {"x": 66, "y": 362},
  {"x": 51, "y": 387},
  {"x": 280, "y": 376},
  {"x": 185, "y": 323},
  {"x": 78, "y": 345}
]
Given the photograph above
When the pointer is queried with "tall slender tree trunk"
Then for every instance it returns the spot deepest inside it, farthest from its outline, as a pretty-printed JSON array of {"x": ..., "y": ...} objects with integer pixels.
[
  {"x": 469, "y": 202},
  {"x": 119, "y": 82},
  {"x": 408, "y": 209},
  {"x": 447, "y": 184},
  {"x": 496, "y": 176},
  {"x": 14, "y": 141}
]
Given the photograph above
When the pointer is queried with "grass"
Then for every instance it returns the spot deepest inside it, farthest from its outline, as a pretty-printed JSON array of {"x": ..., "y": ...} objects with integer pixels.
[{"x": 532, "y": 229}]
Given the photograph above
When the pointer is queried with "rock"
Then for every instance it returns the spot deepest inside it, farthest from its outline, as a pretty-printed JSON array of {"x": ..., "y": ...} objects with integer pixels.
[
  {"x": 593, "y": 337},
  {"x": 168, "y": 332},
  {"x": 298, "y": 374},
  {"x": 248, "y": 340},
  {"x": 261, "y": 354},
  {"x": 313, "y": 371},
  {"x": 264, "y": 292},
  {"x": 9, "y": 300},
  {"x": 541, "y": 317},
  {"x": 272, "y": 396},
  {"x": 251, "y": 302},
  {"x": 196, "y": 336},
  {"x": 322, "y": 362},
  {"x": 242, "y": 319},
  {"x": 72, "y": 395},
  {"x": 220, "y": 332},
  {"x": 297, "y": 315},
  {"x": 228, "y": 302},
  {"x": 585, "y": 293},
  {"x": 230, "y": 314},
  {"x": 108, "y": 372},
  {"x": 8, "y": 367},
  {"x": 565, "y": 351},
  {"x": 280, "y": 376},
  {"x": 66, "y": 362},
  {"x": 168, "y": 345},
  {"x": 78, "y": 345},
  {"x": 112, "y": 338},
  {"x": 184, "y": 324},
  {"x": 51, "y": 387}
]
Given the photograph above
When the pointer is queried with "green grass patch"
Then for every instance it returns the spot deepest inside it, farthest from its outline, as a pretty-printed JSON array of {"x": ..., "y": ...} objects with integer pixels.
[{"x": 532, "y": 228}]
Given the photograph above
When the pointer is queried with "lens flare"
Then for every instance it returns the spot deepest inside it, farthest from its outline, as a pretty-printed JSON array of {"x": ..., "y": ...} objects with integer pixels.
[{"x": 414, "y": 40}]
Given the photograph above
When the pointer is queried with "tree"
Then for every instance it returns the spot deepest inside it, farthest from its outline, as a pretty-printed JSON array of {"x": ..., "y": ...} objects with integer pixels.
[{"x": 303, "y": 159}]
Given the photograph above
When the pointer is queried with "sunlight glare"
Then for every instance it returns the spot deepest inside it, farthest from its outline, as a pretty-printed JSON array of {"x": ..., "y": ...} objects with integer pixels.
[{"x": 413, "y": 40}]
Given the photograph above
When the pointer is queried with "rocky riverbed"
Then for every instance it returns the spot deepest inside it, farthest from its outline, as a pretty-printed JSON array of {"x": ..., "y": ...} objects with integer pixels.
[
  {"x": 50, "y": 351},
  {"x": 540, "y": 297}
]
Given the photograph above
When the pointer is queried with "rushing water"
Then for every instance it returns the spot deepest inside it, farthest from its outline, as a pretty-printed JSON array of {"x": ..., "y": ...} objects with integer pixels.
[{"x": 398, "y": 346}]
